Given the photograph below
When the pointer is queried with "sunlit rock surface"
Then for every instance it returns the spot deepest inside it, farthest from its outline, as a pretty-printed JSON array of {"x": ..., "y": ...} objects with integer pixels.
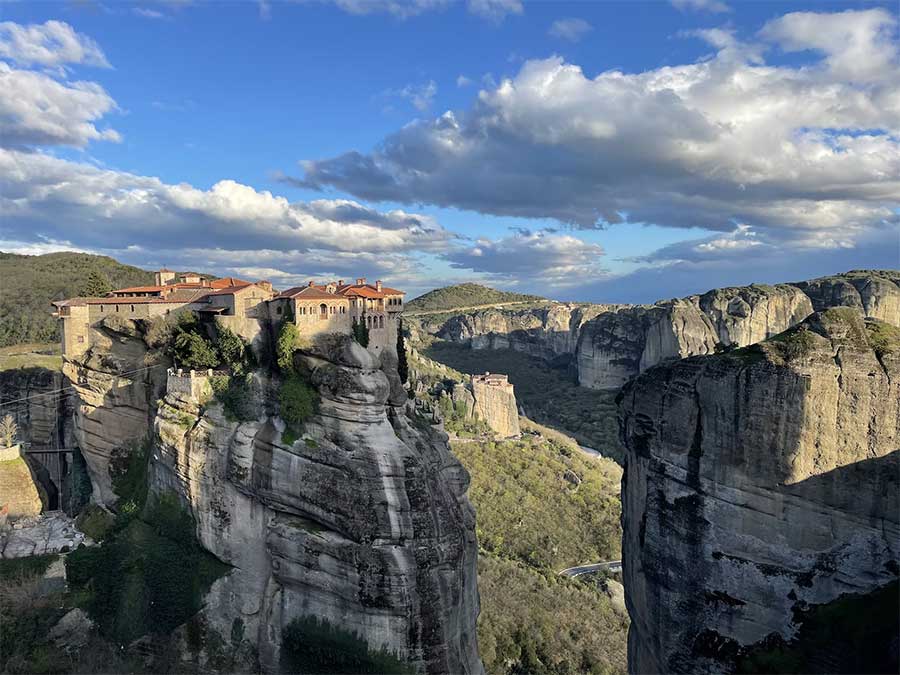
[
  {"x": 363, "y": 521},
  {"x": 759, "y": 483}
]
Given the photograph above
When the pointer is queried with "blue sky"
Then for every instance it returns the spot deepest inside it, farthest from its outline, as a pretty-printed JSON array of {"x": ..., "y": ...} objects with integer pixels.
[{"x": 595, "y": 150}]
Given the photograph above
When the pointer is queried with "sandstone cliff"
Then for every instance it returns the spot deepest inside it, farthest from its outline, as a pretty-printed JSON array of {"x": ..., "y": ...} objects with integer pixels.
[
  {"x": 546, "y": 332},
  {"x": 116, "y": 385},
  {"x": 363, "y": 521},
  {"x": 762, "y": 484}
]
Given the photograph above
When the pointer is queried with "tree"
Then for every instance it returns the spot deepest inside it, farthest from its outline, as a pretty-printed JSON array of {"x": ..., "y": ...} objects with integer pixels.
[
  {"x": 8, "y": 431},
  {"x": 288, "y": 337},
  {"x": 194, "y": 351},
  {"x": 361, "y": 331},
  {"x": 96, "y": 285},
  {"x": 402, "y": 365},
  {"x": 233, "y": 350},
  {"x": 298, "y": 401}
]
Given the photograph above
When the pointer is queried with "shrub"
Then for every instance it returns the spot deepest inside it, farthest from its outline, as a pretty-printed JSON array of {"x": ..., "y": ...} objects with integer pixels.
[
  {"x": 95, "y": 522},
  {"x": 284, "y": 349},
  {"x": 313, "y": 645},
  {"x": 96, "y": 285},
  {"x": 402, "y": 365},
  {"x": 238, "y": 395},
  {"x": 361, "y": 331},
  {"x": 194, "y": 351},
  {"x": 298, "y": 401},
  {"x": 233, "y": 350}
]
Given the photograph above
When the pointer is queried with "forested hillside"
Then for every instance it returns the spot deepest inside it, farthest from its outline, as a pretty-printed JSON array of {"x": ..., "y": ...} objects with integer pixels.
[
  {"x": 30, "y": 283},
  {"x": 465, "y": 295}
]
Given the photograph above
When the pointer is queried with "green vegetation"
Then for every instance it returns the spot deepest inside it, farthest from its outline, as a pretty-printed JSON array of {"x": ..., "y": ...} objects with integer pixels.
[
  {"x": 192, "y": 350},
  {"x": 31, "y": 283},
  {"x": 149, "y": 576},
  {"x": 311, "y": 645},
  {"x": 541, "y": 624},
  {"x": 95, "y": 522},
  {"x": 238, "y": 395},
  {"x": 402, "y": 365},
  {"x": 31, "y": 356},
  {"x": 540, "y": 500},
  {"x": 465, "y": 295},
  {"x": 96, "y": 285},
  {"x": 298, "y": 402},
  {"x": 883, "y": 338},
  {"x": 852, "y": 634},
  {"x": 288, "y": 337},
  {"x": 234, "y": 352},
  {"x": 361, "y": 332},
  {"x": 35, "y": 565},
  {"x": 548, "y": 395},
  {"x": 458, "y": 423}
]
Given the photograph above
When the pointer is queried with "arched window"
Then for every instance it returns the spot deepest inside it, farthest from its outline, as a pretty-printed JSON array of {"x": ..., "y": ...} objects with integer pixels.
[
  {"x": 132, "y": 309},
  {"x": 323, "y": 311},
  {"x": 381, "y": 322},
  {"x": 331, "y": 310},
  {"x": 101, "y": 309}
]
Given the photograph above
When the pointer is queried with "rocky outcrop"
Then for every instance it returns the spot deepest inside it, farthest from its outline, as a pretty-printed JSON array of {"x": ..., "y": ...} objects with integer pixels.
[
  {"x": 761, "y": 484},
  {"x": 116, "y": 383},
  {"x": 362, "y": 522},
  {"x": 495, "y": 403},
  {"x": 545, "y": 333},
  {"x": 36, "y": 398},
  {"x": 20, "y": 491},
  {"x": 616, "y": 346}
]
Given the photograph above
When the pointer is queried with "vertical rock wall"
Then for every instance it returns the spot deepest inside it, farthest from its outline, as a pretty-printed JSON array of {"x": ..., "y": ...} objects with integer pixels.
[
  {"x": 363, "y": 522},
  {"x": 759, "y": 484}
]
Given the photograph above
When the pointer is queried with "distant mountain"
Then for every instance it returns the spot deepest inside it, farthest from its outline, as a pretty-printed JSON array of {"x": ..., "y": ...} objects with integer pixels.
[
  {"x": 29, "y": 283},
  {"x": 465, "y": 295}
]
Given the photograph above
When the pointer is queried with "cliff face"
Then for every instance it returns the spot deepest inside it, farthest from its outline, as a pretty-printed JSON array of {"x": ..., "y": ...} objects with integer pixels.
[
  {"x": 760, "y": 484},
  {"x": 363, "y": 522},
  {"x": 544, "y": 333},
  {"x": 116, "y": 383},
  {"x": 34, "y": 398}
]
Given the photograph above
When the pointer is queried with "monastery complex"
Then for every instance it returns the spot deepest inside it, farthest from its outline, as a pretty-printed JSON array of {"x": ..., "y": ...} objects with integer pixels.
[{"x": 244, "y": 307}]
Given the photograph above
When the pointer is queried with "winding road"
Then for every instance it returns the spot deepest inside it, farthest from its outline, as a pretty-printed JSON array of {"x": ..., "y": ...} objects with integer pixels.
[{"x": 608, "y": 566}]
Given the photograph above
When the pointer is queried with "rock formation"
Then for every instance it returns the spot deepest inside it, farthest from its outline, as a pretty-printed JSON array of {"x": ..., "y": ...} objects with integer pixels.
[
  {"x": 116, "y": 384},
  {"x": 761, "y": 484},
  {"x": 363, "y": 521},
  {"x": 20, "y": 492},
  {"x": 545, "y": 333},
  {"x": 495, "y": 403},
  {"x": 35, "y": 398}
]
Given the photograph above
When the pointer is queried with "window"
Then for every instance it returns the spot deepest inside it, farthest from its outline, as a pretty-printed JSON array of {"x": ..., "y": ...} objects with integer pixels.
[
  {"x": 117, "y": 308},
  {"x": 132, "y": 309},
  {"x": 278, "y": 309},
  {"x": 331, "y": 310},
  {"x": 80, "y": 339},
  {"x": 101, "y": 309}
]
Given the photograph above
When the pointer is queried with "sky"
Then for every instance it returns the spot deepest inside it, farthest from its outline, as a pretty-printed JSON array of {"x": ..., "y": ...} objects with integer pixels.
[{"x": 589, "y": 151}]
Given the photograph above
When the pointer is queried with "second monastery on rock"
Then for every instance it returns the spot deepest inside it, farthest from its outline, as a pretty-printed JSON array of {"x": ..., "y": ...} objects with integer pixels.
[{"x": 242, "y": 306}]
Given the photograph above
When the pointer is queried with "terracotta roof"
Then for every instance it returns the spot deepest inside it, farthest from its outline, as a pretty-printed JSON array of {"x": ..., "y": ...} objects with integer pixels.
[
  {"x": 229, "y": 281},
  {"x": 309, "y": 293},
  {"x": 141, "y": 289},
  {"x": 368, "y": 291}
]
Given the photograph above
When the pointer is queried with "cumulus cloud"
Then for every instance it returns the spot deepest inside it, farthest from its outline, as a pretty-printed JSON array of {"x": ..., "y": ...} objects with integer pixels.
[
  {"x": 495, "y": 10},
  {"x": 556, "y": 259},
  {"x": 715, "y": 6},
  {"x": 420, "y": 96},
  {"x": 36, "y": 109},
  {"x": 570, "y": 29},
  {"x": 802, "y": 154},
  {"x": 51, "y": 44}
]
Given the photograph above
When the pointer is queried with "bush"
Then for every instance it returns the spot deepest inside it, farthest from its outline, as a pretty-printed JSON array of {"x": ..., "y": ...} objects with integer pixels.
[
  {"x": 238, "y": 395},
  {"x": 234, "y": 351},
  {"x": 194, "y": 351},
  {"x": 298, "y": 402},
  {"x": 361, "y": 331},
  {"x": 313, "y": 645},
  {"x": 288, "y": 337},
  {"x": 94, "y": 522},
  {"x": 402, "y": 365}
]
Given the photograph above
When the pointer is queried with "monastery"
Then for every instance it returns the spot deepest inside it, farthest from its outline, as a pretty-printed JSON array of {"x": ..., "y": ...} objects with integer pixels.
[{"x": 245, "y": 307}]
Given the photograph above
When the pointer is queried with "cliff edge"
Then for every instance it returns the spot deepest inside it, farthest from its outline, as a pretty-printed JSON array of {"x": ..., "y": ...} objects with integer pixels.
[{"x": 761, "y": 489}]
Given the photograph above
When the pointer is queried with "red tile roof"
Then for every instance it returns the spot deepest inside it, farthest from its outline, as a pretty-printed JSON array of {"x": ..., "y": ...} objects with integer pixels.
[
  {"x": 141, "y": 289},
  {"x": 229, "y": 281},
  {"x": 309, "y": 293}
]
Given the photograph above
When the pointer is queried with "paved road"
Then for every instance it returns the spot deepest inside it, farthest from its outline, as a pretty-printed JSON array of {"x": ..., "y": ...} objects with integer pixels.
[
  {"x": 608, "y": 566},
  {"x": 459, "y": 310}
]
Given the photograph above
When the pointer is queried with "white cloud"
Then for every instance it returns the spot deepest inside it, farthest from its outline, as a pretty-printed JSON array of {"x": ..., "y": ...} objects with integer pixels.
[
  {"x": 36, "y": 109},
  {"x": 858, "y": 45},
  {"x": 571, "y": 29},
  {"x": 495, "y": 10},
  {"x": 148, "y": 13},
  {"x": 463, "y": 81},
  {"x": 800, "y": 153},
  {"x": 555, "y": 259},
  {"x": 420, "y": 96},
  {"x": 715, "y": 6},
  {"x": 51, "y": 44}
]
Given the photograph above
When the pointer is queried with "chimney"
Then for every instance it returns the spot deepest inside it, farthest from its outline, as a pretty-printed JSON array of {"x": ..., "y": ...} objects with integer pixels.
[
  {"x": 340, "y": 282},
  {"x": 378, "y": 285},
  {"x": 311, "y": 283},
  {"x": 360, "y": 281}
]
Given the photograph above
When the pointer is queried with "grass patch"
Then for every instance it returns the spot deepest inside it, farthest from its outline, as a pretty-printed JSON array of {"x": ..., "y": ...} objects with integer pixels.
[
  {"x": 34, "y": 355},
  {"x": 33, "y": 565},
  {"x": 94, "y": 521},
  {"x": 289, "y": 437},
  {"x": 883, "y": 338}
]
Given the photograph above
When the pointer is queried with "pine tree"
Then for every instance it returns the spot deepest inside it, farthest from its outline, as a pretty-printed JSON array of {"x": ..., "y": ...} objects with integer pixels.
[
  {"x": 96, "y": 285},
  {"x": 402, "y": 365}
]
